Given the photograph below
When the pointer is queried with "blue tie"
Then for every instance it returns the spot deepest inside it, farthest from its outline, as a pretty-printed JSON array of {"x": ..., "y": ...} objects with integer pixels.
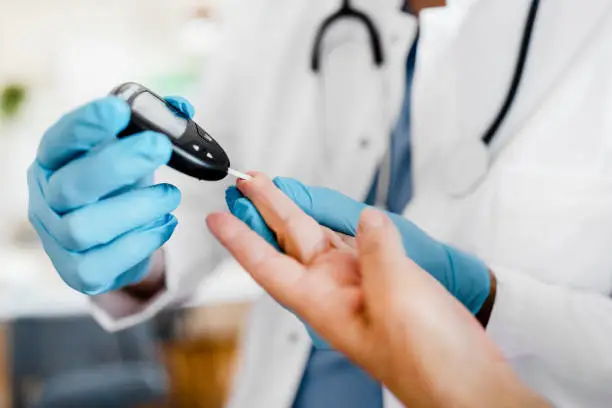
[
  {"x": 332, "y": 381},
  {"x": 400, "y": 189}
]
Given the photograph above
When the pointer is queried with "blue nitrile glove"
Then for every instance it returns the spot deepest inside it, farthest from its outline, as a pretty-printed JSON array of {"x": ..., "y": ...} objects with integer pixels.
[
  {"x": 91, "y": 198},
  {"x": 464, "y": 276}
]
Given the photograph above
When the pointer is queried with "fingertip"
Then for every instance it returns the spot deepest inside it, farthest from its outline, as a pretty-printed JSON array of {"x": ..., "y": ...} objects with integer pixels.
[
  {"x": 82, "y": 129},
  {"x": 163, "y": 221},
  {"x": 164, "y": 227},
  {"x": 172, "y": 193},
  {"x": 116, "y": 111},
  {"x": 214, "y": 220},
  {"x": 160, "y": 231},
  {"x": 371, "y": 228},
  {"x": 182, "y": 104},
  {"x": 171, "y": 225},
  {"x": 372, "y": 219},
  {"x": 120, "y": 105},
  {"x": 258, "y": 180},
  {"x": 231, "y": 195},
  {"x": 377, "y": 237},
  {"x": 223, "y": 227}
]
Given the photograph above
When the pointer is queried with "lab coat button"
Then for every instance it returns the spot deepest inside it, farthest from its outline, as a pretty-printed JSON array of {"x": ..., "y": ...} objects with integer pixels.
[
  {"x": 364, "y": 143},
  {"x": 293, "y": 337}
]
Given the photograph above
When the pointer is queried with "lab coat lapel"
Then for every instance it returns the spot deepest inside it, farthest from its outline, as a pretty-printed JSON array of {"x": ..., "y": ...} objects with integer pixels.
[
  {"x": 564, "y": 29},
  {"x": 462, "y": 76},
  {"x": 485, "y": 64}
]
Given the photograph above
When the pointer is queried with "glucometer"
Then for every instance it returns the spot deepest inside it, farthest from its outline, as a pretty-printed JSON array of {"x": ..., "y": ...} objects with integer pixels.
[{"x": 194, "y": 151}]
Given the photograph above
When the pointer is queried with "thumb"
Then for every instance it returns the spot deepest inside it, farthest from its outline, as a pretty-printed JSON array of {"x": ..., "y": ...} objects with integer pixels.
[
  {"x": 381, "y": 256},
  {"x": 182, "y": 105}
]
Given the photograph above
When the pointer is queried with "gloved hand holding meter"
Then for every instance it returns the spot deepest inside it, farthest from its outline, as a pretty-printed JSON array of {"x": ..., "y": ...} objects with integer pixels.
[{"x": 98, "y": 242}]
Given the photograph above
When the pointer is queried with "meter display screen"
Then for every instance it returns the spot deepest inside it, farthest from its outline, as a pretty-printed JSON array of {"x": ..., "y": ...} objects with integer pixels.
[{"x": 155, "y": 111}]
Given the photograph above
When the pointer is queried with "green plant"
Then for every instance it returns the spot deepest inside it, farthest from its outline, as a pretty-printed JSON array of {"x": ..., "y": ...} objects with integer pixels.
[{"x": 12, "y": 98}]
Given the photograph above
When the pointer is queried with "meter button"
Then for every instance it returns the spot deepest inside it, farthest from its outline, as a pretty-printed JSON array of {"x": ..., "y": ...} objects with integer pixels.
[
  {"x": 204, "y": 135},
  {"x": 196, "y": 147}
]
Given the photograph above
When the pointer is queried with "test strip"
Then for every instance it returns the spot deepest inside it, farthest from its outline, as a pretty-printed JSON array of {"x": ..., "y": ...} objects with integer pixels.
[{"x": 238, "y": 174}]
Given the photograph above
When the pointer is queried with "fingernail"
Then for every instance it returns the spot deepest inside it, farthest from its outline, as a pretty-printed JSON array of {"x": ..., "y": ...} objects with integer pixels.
[
  {"x": 118, "y": 104},
  {"x": 371, "y": 218}
]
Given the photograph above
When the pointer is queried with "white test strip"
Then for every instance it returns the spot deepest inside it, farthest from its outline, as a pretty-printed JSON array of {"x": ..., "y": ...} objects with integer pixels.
[{"x": 238, "y": 174}]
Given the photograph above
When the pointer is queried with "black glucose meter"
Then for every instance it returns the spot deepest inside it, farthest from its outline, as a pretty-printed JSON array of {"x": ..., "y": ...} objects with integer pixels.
[{"x": 195, "y": 152}]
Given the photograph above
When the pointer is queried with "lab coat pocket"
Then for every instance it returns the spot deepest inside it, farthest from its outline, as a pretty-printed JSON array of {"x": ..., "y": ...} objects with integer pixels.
[{"x": 553, "y": 225}]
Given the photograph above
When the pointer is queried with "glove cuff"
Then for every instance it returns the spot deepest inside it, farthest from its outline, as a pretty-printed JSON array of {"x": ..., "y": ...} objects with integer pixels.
[{"x": 472, "y": 280}]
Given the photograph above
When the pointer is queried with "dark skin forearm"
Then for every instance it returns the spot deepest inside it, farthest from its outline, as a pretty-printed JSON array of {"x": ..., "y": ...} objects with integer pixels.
[
  {"x": 484, "y": 314},
  {"x": 153, "y": 283},
  {"x": 417, "y": 5},
  {"x": 146, "y": 289}
]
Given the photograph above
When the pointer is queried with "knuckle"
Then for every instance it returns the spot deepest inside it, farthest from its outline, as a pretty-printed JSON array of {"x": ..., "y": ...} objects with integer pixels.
[
  {"x": 82, "y": 277},
  {"x": 74, "y": 234},
  {"x": 60, "y": 196}
]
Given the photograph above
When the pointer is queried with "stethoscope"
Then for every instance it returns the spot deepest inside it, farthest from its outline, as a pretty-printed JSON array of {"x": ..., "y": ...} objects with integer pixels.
[{"x": 467, "y": 165}]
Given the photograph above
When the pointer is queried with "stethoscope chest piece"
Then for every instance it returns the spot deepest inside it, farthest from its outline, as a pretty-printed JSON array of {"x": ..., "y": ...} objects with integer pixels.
[{"x": 464, "y": 168}]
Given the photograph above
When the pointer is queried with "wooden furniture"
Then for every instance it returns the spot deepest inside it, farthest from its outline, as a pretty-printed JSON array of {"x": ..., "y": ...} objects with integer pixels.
[
  {"x": 5, "y": 383},
  {"x": 200, "y": 363}
]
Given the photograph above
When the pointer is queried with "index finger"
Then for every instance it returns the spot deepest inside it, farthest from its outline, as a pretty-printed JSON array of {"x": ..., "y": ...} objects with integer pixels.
[
  {"x": 278, "y": 274},
  {"x": 297, "y": 233},
  {"x": 82, "y": 129}
]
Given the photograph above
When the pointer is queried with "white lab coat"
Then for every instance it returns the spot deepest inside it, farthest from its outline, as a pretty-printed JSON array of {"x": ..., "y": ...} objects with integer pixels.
[{"x": 542, "y": 218}]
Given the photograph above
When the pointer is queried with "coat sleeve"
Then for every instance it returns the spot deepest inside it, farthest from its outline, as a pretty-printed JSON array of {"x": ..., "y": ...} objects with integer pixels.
[{"x": 566, "y": 331}]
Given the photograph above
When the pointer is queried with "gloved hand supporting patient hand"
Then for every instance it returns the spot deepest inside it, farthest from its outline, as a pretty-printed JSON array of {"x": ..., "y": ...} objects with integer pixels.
[
  {"x": 91, "y": 198},
  {"x": 374, "y": 305},
  {"x": 464, "y": 276}
]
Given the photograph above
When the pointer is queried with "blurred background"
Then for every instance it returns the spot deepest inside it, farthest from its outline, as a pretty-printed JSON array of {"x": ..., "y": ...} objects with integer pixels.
[{"x": 51, "y": 352}]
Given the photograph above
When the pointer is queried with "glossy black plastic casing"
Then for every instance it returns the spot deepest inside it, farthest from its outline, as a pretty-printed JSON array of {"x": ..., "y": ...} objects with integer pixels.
[{"x": 195, "y": 153}]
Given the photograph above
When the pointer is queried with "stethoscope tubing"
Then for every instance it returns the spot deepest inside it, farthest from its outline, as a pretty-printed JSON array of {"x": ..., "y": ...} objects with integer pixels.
[{"x": 384, "y": 172}]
